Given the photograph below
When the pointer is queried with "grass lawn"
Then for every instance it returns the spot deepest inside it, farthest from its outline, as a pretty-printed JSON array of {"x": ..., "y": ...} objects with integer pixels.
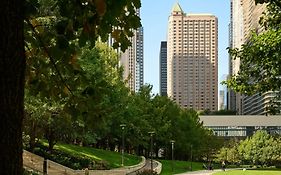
[
  {"x": 179, "y": 167},
  {"x": 113, "y": 158},
  {"x": 249, "y": 172}
]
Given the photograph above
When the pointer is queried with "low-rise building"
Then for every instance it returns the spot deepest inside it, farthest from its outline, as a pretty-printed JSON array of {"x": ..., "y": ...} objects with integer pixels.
[{"x": 241, "y": 126}]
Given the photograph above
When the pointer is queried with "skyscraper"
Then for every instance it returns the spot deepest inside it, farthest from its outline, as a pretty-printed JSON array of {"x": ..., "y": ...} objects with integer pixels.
[
  {"x": 192, "y": 59},
  {"x": 245, "y": 16},
  {"x": 221, "y": 100},
  {"x": 163, "y": 68},
  {"x": 132, "y": 61},
  {"x": 236, "y": 40}
]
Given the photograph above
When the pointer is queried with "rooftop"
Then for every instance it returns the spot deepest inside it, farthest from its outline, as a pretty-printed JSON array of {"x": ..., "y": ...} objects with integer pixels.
[
  {"x": 240, "y": 120},
  {"x": 199, "y": 14},
  {"x": 177, "y": 8}
]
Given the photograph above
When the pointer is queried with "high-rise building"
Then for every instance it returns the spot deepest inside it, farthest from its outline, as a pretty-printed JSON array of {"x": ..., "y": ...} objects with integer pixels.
[
  {"x": 221, "y": 100},
  {"x": 163, "y": 68},
  {"x": 245, "y": 16},
  {"x": 192, "y": 59},
  {"x": 132, "y": 61},
  {"x": 236, "y": 40}
]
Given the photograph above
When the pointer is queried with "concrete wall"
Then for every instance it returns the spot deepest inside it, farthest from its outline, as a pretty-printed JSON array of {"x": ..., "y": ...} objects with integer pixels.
[{"x": 35, "y": 162}]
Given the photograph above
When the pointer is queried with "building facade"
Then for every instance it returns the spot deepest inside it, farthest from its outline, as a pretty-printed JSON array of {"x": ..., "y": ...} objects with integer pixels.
[
  {"x": 241, "y": 126},
  {"x": 245, "y": 15},
  {"x": 221, "y": 99},
  {"x": 163, "y": 68},
  {"x": 132, "y": 61},
  {"x": 236, "y": 40},
  {"x": 192, "y": 59},
  {"x": 256, "y": 104}
]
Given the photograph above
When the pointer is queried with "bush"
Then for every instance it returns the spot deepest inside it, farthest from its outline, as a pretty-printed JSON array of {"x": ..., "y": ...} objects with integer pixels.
[
  {"x": 73, "y": 161},
  {"x": 29, "y": 172}
]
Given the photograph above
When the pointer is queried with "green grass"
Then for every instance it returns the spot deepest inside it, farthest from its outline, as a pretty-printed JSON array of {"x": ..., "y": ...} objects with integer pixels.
[
  {"x": 113, "y": 158},
  {"x": 179, "y": 167},
  {"x": 249, "y": 172}
]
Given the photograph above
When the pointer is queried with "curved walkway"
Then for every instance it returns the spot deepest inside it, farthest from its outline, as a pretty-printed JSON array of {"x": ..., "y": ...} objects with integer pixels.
[
  {"x": 146, "y": 167},
  {"x": 203, "y": 172},
  {"x": 35, "y": 162}
]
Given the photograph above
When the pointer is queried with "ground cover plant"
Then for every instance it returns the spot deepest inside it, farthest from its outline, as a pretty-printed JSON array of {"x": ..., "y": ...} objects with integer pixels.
[{"x": 78, "y": 157}]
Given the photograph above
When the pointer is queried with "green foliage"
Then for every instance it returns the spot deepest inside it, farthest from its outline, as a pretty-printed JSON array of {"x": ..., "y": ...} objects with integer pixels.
[
  {"x": 272, "y": 17},
  {"x": 29, "y": 172},
  {"x": 74, "y": 161},
  {"x": 260, "y": 149},
  {"x": 230, "y": 155},
  {"x": 85, "y": 21},
  {"x": 220, "y": 112},
  {"x": 74, "y": 87},
  {"x": 260, "y": 60},
  {"x": 99, "y": 102},
  {"x": 79, "y": 157}
]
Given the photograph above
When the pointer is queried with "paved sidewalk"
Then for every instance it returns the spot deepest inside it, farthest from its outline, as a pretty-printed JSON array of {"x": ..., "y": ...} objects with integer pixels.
[
  {"x": 203, "y": 172},
  {"x": 146, "y": 167}
]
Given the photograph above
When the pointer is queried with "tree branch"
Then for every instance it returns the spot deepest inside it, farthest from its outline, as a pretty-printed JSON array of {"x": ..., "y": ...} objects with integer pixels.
[{"x": 49, "y": 55}]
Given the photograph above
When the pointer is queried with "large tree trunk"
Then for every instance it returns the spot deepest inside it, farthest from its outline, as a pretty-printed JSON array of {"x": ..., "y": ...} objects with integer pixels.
[
  {"x": 33, "y": 132},
  {"x": 12, "y": 70}
]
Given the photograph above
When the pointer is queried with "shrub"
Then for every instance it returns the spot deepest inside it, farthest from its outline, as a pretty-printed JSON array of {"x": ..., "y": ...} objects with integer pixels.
[
  {"x": 73, "y": 161},
  {"x": 29, "y": 172}
]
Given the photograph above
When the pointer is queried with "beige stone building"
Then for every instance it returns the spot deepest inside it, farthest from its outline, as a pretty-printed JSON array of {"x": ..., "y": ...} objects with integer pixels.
[{"x": 192, "y": 59}]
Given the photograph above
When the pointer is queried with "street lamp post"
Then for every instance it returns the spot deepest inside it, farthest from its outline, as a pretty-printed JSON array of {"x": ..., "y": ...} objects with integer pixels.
[
  {"x": 151, "y": 149},
  {"x": 172, "y": 142},
  {"x": 191, "y": 157},
  {"x": 123, "y": 147}
]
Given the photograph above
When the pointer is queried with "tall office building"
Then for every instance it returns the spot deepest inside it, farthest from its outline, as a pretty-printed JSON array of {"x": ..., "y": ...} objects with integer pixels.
[
  {"x": 236, "y": 30},
  {"x": 245, "y": 16},
  {"x": 222, "y": 96},
  {"x": 221, "y": 100},
  {"x": 192, "y": 59},
  {"x": 132, "y": 61},
  {"x": 163, "y": 68}
]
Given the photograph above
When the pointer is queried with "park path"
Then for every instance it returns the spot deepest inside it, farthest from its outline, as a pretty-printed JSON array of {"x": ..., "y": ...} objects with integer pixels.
[
  {"x": 204, "y": 172},
  {"x": 146, "y": 167}
]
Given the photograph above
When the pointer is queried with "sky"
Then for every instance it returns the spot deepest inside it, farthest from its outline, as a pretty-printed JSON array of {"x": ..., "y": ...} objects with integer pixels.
[{"x": 154, "y": 18}]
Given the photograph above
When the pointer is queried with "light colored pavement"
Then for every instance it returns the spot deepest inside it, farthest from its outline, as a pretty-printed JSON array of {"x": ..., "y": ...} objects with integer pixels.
[{"x": 146, "y": 167}]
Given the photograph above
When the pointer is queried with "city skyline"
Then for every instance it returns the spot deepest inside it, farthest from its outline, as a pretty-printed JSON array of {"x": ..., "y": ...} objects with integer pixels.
[{"x": 155, "y": 23}]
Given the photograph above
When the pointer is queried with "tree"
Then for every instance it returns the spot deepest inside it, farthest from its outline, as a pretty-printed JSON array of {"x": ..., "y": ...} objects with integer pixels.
[
  {"x": 12, "y": 69},
  {"x": 220, "y": 112},
  {"x": 35, "y": 109},
  {"x": 260, "y": 149},
  {"x": 260, "y": 69},
  {"x": 83, "y": 21}
]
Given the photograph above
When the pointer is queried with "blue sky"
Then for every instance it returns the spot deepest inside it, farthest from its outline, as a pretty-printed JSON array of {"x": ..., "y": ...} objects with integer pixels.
[{"x": 154, "y": 15}]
